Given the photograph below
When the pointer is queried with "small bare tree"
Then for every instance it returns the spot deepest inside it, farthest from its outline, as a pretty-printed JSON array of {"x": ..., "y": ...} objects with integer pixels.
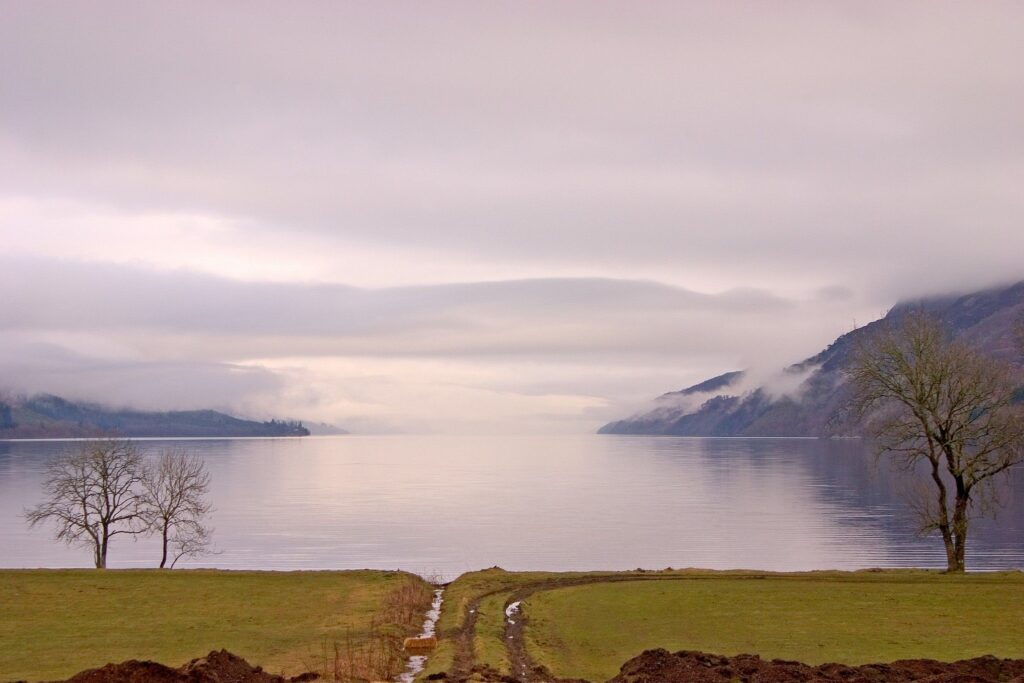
[
  {"x": 174, "y": 504},
  {"x": 928, "y": 400},
  {"x": 91, "y": 495}
]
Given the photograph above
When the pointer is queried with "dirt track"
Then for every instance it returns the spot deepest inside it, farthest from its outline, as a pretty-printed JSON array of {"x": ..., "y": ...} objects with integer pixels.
[
  {"x": 660, "y": 666},
  {"x": 523, "y": 668}
]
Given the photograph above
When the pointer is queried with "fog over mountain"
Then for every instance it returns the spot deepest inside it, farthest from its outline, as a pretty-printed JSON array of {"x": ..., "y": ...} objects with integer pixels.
[
  {"x": 809, "y": 398},
  {"x": 500, "y": 216}
]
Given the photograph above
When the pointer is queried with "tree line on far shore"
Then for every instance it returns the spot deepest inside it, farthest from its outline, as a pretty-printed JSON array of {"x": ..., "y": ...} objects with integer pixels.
[{"x": 107, "y": 488}]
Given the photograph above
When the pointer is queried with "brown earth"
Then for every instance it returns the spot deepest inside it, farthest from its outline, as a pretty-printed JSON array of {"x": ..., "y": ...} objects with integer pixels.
[
  {"x": 216, "y": 667},
  {"x": 661, "y": 666}
]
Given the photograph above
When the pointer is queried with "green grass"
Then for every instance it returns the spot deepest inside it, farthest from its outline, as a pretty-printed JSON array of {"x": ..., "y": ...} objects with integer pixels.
[
  {"x": 54, "y": 623},
  {"x": 488, "y": 644},
  {"x": 457, "y": 596},
  {"x": 590, "y": 631}
]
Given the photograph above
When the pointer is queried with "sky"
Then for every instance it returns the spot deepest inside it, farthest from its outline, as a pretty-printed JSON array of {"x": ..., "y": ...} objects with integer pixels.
[{"x": 486, "y": 217}]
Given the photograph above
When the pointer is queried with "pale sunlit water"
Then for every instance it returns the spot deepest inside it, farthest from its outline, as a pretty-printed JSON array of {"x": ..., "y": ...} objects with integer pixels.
[{"x": 443, "y": 505}]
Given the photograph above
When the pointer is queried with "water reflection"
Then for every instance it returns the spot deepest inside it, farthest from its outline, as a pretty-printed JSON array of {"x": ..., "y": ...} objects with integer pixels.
[{"x": 443, "y": 505}]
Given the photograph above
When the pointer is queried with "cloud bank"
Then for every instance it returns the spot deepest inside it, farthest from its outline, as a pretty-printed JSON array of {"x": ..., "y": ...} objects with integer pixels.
[{"x": 482, "y": 216}]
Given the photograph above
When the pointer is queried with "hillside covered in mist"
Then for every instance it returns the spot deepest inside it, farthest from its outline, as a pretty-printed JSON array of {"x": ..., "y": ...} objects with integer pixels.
[
  {"x": 804, "y": 398},
  {"x": 47, "y": 416}
]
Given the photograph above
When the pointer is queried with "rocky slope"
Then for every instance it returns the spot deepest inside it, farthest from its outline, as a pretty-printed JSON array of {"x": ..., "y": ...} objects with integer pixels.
[{"x": 724, "y": 406}]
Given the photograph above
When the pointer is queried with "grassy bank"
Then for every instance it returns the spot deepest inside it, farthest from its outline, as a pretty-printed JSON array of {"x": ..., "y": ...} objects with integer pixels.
[
  {"x": 54, "y": 623},
  {"x": 589, "y": 631}
]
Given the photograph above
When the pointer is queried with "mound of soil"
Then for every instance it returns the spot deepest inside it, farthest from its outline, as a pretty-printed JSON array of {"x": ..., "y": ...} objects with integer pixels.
[
  {"x": 216, "y": 667},
  {"x": 661, "y": 666}
]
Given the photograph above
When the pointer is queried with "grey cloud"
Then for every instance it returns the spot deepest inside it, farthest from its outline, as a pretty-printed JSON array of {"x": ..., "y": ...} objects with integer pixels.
[
  {"x": 408, "y": 357},
  {"x": 28, "y": 366},
  {"x": 543, "y": 316},
  {"x": 813, "y": 161},
  {"x": 859, "y": 143}
]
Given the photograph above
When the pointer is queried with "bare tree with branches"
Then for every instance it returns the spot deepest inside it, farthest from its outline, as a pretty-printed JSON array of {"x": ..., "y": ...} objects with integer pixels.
[
  {"x": 928, "y": 400},
  {"x": 91, "y": 495},
  {"x": 174, "y": 490}
]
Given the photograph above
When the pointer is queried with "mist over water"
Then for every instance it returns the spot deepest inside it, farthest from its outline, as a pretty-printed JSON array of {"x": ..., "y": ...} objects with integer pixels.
[{"x": 442, "y": 505}]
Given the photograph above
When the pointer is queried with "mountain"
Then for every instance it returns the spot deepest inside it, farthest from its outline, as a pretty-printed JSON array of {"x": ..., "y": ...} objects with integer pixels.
[
  {"x": 47, "y": 416},
  {"x": 806, "y": 395}
]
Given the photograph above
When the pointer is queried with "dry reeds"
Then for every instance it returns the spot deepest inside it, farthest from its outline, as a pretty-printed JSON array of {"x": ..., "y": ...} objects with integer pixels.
[
  {"x": 379, "y": 658},
  {"x": 377, "y": 655},
  {"x": 406, "y": 604}
]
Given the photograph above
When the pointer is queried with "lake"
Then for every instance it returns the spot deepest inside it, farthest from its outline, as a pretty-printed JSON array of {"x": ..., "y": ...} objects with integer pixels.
[{"x": 441, "y": 505}]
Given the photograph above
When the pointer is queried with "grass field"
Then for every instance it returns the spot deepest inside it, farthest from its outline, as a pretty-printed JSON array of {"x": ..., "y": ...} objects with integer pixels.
[
  {"x": 590, "y": 631},
  {"x": 54, "y": 623},
  {"x": 492, "y": 588}
]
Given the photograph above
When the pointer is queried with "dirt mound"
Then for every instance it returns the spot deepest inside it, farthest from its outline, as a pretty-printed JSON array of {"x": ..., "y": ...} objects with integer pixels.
[
  {"x": 661, "y": 666},
  {"x": 216, "y": 667}
]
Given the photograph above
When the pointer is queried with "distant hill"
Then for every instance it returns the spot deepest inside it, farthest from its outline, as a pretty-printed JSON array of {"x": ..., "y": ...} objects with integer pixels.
[
  {"x": 725, "y": 406},
  {"x": 47, "y": 416},
  {"x": 325, "y": 429}
]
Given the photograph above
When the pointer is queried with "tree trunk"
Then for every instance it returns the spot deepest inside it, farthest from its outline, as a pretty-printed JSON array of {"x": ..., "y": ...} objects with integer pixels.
[
  {"x": 949, "y": 540},
  {"x": 942, "y": 521},
  {"x": 959, "y": 563},
  {"x": 101, "y": 556},
  {"x": 163, "y": 558}
]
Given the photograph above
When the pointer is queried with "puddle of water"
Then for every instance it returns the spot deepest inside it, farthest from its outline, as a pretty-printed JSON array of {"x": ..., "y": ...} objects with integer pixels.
[
  {"x": 416, "y": 662},
  {"x": 511, "y": 611}
]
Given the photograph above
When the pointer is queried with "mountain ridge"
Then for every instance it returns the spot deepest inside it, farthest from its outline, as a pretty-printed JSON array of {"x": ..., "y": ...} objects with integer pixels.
[{"x": 984, "y": 319}]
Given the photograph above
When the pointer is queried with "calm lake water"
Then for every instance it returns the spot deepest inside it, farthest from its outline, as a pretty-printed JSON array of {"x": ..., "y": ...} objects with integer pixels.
[{"x": 444, "y": 505}]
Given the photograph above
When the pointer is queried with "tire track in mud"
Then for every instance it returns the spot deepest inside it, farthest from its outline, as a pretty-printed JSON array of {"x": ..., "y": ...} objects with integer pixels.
[{"x": 522, "y": 667}]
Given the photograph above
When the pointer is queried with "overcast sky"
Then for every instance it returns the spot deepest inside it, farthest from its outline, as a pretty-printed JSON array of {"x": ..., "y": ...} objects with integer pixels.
[{"x": 486, "y": 216}]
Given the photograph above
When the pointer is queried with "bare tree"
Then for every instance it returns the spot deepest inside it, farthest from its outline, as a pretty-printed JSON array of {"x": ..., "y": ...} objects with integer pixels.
[
  {"x": 91, "y": 495},
  {"x": 930, "y": 401},
  {"x": 190, "y": 541},
  {"x": 174, "y": 501}
]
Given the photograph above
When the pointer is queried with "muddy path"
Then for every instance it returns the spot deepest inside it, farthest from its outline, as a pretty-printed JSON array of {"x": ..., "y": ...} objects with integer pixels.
[
  {"x": 463, "y": 659},
  {"x": 519, "y": 660},
  {"x": 522, "y": 667}
]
